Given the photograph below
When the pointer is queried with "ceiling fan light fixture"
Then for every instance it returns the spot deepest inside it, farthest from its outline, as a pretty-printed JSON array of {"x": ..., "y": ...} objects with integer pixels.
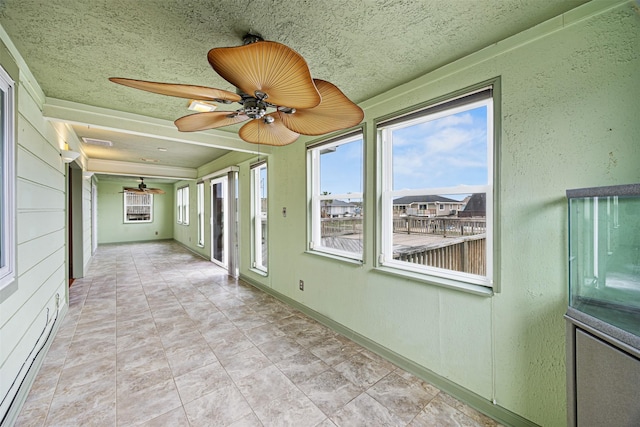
[{"x": 201, "y": 106}]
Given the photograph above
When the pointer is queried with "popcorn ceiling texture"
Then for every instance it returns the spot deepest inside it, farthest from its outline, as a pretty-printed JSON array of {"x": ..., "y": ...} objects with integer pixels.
[{"x": 364, "y": 47}]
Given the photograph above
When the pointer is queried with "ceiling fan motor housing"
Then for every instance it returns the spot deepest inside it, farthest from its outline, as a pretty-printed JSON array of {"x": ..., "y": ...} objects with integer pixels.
[{"x": 254, "y": 108}]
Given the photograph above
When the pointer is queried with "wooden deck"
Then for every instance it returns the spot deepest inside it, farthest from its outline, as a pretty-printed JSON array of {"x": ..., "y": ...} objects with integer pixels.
[
  {"x": 460, "y": 253},
  {"x": 401, "y": 242}
]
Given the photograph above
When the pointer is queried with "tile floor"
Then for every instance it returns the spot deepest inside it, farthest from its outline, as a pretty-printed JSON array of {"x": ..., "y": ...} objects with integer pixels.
[{"x": 156, "y": 336}]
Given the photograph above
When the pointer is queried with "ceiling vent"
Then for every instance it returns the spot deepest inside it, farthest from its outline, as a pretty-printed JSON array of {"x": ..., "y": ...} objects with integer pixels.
[{"x": 100, "y": 142}]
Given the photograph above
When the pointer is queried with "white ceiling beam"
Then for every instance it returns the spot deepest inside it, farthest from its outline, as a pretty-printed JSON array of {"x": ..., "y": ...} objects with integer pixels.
[
  {"x": 115, "y": 167},
  {"x": 57, "y": 110}
]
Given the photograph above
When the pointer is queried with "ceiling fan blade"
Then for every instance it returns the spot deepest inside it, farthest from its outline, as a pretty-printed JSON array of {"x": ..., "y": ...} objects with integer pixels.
[
  {"x": 335, "y": 112},
  {"x": 179, "y": 90},
  {"x": 212, "y": 120},
  {"x": 154, "y": 191},
  {"x": 268, "y": 67},
  {"x": 133, "y": 190},
  {"x": 259, "y": 132}
]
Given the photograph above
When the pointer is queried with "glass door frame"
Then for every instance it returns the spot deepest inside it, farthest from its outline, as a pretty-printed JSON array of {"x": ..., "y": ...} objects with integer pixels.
[
  {"x": 229, "y": 180},
  {"x": 225, "y": 221}
]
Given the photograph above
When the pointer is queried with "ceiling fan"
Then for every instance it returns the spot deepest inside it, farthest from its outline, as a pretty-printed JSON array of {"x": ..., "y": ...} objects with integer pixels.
[
  {"x": 277, "y": 95},
  {"x": 142, "y": 189}
]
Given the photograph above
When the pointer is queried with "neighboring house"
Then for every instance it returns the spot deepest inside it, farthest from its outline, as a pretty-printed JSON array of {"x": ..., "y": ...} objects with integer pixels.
[
  {"x": 427, "y": 205},
  {"x": 339, "y": 208},
  {"x": 476, "y": 206}
]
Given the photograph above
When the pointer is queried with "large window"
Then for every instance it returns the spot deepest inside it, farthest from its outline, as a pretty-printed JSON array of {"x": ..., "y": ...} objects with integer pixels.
[
  {"x": 138, "y": 207},
  {"x": 259, "y": 216},
  {"x": 182, "y": 205},
  {"x": 437, "y": 190},
  {"x": 7, "y": 181},
  {"x": 200, "y": 203},
  {"x": 336, "y": 183}
]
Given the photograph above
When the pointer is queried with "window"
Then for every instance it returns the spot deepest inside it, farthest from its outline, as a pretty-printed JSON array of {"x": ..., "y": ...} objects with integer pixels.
[
  {"x": 138, "y": 207},
  {"x": 200, "y": 207},
  {"x": 259, "y": 215},
  {"x": 182, "y": 202},
  {"x": 7, "y": 181},
  {"x": 442, "y": 157},
  {"x": 336, "y": 182}
]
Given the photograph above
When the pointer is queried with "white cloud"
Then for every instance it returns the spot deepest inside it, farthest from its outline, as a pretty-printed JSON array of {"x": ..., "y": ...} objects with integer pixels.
[{"x": 443, "y": 152}]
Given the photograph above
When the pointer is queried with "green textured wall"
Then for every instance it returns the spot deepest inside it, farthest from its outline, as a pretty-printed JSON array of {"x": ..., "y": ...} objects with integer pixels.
[
  {"x": 567, "y": 116},
  {"x": 569, "y": 106},
  {"x": 111, "y": 226}
]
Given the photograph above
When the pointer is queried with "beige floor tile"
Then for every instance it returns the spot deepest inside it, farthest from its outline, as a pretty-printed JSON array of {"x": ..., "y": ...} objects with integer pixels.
[
  {"x": 364, "y": 410},
  {"x": 202, "y": 381},
  {"x": 221, "y": 407},
  {"x": 156, "y": 336},
  {"x": 330, "y": 391}
]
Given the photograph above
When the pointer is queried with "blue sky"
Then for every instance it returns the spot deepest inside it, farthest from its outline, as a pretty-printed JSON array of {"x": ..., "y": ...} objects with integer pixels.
[
  {"x": 341, "y": 171},
  {"x": 444, "y": 152}
]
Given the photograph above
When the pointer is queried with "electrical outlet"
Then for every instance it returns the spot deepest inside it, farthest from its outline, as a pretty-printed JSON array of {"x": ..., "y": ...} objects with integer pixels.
[{"x": 301, "y": 285}]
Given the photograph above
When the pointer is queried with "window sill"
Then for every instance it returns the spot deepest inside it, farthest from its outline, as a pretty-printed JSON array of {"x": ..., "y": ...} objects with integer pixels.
[
  {"x": 259, "y": 272},
  {"x": 347, "y": 260},
  {"x": 438, "y": 281}
]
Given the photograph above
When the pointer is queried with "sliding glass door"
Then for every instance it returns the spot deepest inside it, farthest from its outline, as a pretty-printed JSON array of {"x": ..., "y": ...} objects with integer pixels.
[{"x": 219, "y": 221}]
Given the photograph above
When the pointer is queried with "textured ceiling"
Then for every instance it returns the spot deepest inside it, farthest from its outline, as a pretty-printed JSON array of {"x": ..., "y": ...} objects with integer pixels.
[{"x": 364, "y": 47}]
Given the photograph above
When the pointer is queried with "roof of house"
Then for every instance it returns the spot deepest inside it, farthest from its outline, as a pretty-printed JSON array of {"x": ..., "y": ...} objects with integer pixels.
[
  {"x": 407, "y": 200},
  {"x": 340, "y": 203},
  {"x": 477, "y": 203}
]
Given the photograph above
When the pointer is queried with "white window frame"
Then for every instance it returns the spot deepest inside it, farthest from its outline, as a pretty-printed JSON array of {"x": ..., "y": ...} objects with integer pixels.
[
  {"x": 316, "y": 198},
  {"x": 182, "y": 200},
  {"x": 257, "y": 216},
  {"x": 200, "y": 211},
  {"x": 179, "y": 205},
  {"x": 126, "y": 205},
  {"x": 8, "y": 184},
  {"x": 435, "y": 275}
]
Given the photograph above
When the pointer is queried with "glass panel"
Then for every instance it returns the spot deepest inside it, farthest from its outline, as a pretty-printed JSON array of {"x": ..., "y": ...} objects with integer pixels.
[
  {"x": 185, "y": 205},
  {"x": 3, "y": 196},
  {"x": 604, "y": 267},
  {"x": 444, "y": 152},
  {"x": 341, "y": 224},
  {"x": 263, "y": 217},
  {"x": 179, "y": 205},
  {"x": 341, "y": 168},
  {"x": 217, "y": 217},
  {"x": 337, "y": 210},
  {"x": 200, "y": 196},
  {"x": 447, "y": 232},
  {"x": 138, "y": 207}
]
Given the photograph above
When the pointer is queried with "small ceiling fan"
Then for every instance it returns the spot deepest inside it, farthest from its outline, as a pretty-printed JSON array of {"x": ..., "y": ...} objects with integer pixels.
[
  {"x": 142, "y": 189},
  {"x": 275, "y": 90}
]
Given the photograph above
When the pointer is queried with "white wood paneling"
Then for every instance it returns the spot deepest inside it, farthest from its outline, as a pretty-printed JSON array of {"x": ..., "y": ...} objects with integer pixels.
[
  {"x": 28, "y": 309},
  {"x": 32, "y": 167}
]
